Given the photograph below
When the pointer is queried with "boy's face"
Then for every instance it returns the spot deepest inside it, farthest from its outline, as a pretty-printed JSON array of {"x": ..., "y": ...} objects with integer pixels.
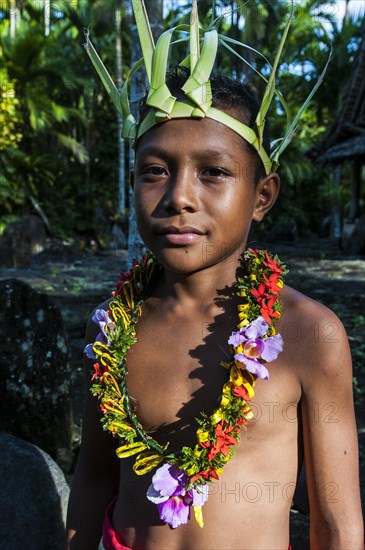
[{"x": 195, "y": 194}]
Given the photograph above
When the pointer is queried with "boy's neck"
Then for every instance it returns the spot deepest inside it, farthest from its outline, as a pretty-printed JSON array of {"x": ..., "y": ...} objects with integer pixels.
[{"x": 201, "y": 289}]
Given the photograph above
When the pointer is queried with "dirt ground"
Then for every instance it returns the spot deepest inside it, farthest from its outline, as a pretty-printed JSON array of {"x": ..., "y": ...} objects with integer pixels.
[{"x": 78, "y": 282}]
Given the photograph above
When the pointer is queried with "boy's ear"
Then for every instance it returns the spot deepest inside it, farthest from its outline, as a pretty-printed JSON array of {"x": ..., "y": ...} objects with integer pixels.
[
  {"x": 131, "y": 179},
  {"x": 267, "y": 192}
]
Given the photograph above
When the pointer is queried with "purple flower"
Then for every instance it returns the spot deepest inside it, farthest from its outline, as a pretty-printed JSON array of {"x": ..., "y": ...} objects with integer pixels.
[
  {"x": 168, "y": 491},
  {"x": 252, "y": 347},
  {"x": 106, "y": 325}
]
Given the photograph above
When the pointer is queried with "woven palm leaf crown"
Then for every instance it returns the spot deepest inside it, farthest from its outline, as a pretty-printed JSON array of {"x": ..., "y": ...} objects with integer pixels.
[{"x": 164, "y": 106}]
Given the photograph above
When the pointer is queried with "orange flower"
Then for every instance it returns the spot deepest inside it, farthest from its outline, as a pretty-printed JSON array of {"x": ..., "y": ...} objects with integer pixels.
[
  {"x": 210, "y": 473},
  {"x": 260, "y": 293},
  {"x": 271, "y": 283},
  {"x": 272, "y": 264},
  {"x": 267, "y": 310},
  {"x": 224, "y": 440},
  {"x": 240, "y": 391},
  {"x": 241, "y": 422}
]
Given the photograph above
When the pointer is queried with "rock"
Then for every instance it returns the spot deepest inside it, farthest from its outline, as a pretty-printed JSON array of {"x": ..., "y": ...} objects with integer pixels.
[
  {"x": 118, "y": 240},
  {"x": 34, "y": 369},
  {"x": 33, "y": 497},
  {"x": 20, "y": 240},
  {"x": 58, "y": 251}
]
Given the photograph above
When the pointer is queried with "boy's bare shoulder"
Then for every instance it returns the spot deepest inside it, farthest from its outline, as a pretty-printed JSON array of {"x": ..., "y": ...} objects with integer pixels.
[
  {"x": 315, "y": 336},
  {"x": 299, "y": 307}
]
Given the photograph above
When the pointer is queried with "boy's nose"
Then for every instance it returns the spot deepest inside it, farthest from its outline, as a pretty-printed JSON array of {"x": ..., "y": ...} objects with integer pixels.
[{"x": 181, "y": 193}]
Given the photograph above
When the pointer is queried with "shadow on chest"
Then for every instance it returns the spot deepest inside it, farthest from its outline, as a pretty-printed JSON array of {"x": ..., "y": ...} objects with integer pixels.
[{"x": 174, "y": 373}]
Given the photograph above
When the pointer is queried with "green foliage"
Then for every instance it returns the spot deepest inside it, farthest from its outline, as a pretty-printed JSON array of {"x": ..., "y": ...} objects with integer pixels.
[
  {"x": 52, "y": 145},
  {"x": 58, "y": 130}
]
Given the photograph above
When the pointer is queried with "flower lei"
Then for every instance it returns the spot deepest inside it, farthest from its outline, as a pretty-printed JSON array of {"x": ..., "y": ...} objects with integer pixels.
[{"x": 182, "y": 481}]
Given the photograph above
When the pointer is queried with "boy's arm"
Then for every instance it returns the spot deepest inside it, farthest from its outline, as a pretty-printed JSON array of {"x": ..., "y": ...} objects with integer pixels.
[
  {"x": 330, "y": 436},
  {"x": 96, "y": 478}
]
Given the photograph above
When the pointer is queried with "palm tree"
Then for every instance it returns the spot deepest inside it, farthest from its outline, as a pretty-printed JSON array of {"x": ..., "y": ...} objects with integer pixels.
[{"x": 42, "y": 118}]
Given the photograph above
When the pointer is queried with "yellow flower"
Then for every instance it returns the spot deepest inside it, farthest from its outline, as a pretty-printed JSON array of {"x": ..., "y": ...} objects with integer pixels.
[
  {"x": 280, "y": 283},
  {"x": 202, "y": 435},
  {"x": 193, "y": 469},
  {"x": 249, "y": 389},
  {"x": 243, "y": 307},
  {"x": 242, "y": 293},
  {"x": 198, "y": 513},
  {"x": 253, "y": 277},
  {"x": 226, "y": 395},
  {"x": 114, "y": 427},
  {"x": 236, "y": 376},
  {"x": 217, "y": 416},
  {"x": 243, "y": 323}
]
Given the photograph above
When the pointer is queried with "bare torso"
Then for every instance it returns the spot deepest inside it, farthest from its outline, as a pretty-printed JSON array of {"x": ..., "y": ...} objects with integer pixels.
[{"x": 174, "y": 373}]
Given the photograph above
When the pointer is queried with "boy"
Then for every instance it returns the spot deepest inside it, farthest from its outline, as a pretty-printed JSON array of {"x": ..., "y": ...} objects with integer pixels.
[{"x": 198, "y": 185}]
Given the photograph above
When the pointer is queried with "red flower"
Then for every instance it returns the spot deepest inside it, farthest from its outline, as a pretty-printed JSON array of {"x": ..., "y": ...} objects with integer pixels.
[
  {"x": 271, "y": 283},
  {"x": 240, "y": 391},
  {"x": 272, "y": 264},
  {"x": 103, "y": 409},
  {"x": 99, "y": 371},
  {"x": 267, "y": 310},
  {"x": 224, "y": 440},
  {"x": 260, "y": 293},
  {"x": 241, "y": 422},
  {"x": 210, "y": 473},
  {"x": 123, "y": 278}
]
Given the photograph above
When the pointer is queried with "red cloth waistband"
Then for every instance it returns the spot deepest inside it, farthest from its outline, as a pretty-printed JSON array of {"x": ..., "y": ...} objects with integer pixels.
[{"x": 112, "y": 540}]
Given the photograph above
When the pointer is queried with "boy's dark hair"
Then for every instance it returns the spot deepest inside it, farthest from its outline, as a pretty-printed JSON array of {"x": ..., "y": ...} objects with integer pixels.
[{"x": 228, "y": 94}]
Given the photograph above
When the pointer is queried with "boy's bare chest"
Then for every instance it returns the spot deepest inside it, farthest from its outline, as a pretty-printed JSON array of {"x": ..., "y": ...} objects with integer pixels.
[{"x": 175, "y": 373}]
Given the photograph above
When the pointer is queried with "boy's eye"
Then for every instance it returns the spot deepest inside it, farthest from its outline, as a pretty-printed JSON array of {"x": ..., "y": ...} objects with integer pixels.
[
  {"x": 155, "y": 170},
  {"x": 215, "y": 172}
]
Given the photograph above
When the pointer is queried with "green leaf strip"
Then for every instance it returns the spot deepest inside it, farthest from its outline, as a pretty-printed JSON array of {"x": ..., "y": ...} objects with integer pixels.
[
  {"x": 145, "y": 35},
  {"x": 194, "y": 37},
  {"x": 103, "y": 74},
  {"x": 270, "y": 88},
  {"x": 197, "y": 87},
  {"x": 247, "y": 133},
  {"x": 293, "y": 126}
]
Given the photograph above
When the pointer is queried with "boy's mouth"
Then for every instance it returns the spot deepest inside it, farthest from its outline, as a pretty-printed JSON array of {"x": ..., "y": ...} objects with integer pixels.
[{"x": 180, "y": 235}]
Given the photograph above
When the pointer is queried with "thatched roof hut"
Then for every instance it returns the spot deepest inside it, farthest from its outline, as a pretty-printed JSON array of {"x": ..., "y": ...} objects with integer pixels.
[{"x": 344, "y": 140}]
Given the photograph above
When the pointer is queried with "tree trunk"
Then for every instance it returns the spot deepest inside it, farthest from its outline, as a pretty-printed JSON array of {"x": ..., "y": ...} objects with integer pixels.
[
  {"x": 47, "y": 16},
  {"x": 136, "y": 247},
  {"x": 121, "y": 158},
  {"x": 14, "y": 16}
]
